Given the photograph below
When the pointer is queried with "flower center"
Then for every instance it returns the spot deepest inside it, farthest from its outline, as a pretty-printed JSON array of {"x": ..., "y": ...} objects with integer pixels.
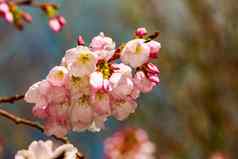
[
  {"x": 139, "y": 48},
  {"x": 104, "y": 68},
  {"x": 59, "y": 75},
  {"x": 75, "y": 81},
  {"x": 83, "y": 100},
  {"x": 84, "y": 57}
]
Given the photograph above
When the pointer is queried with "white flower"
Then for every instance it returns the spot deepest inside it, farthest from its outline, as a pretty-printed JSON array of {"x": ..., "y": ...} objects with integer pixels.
[
  {"x": 80, "y": 61},
  {"x": 44, "y": 150},
  {"x": 103, "y": 46},
  {"x": 135, "y": 53}
]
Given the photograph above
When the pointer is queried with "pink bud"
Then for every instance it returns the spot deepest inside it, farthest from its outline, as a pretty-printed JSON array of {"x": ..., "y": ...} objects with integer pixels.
[
  {"x": 4, "y": 7},
  {"x": 140, "y": 32},
  {"x": 5, "y": 12},
  {"x": 151, "y": 68},
  {"x": 61, "y": 20},
  {"x": 80, "y": 40},
  {"x": 27, "y": 17},
  {"x": 54, "y": 24},
  {"x": 153, "y": 78},
  {"x": 154, "y": 49},
  {"x": 8, "y": 17},
  {"x": 57, "y": 23}
]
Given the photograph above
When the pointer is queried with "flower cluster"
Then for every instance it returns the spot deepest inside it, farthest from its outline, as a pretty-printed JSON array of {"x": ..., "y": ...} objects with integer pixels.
[
  {"x": 46, "y": 150},
  {"x": 12, "y": 13},
  {"x": 129, "y": 143},
  {"x": 93, "y": 83}
]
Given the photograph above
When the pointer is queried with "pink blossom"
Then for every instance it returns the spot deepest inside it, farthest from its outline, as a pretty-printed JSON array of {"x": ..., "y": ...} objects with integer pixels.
[
  {"x": 102, "y": 46},
  {"x": 154, "y": 48},
  {"x": 132, "y": 143},
  {"x": 80, "y": 61},
  {"x": 102, "y": 42},
  {"x": 135, "y": 53},
  {"x": 142, "y": 82},
  {"x": 81, "y": 114},
  {"x": 141, "y": 32},
  {"x": 45, "y": 150},
  {"x": 121, "y": 109},
  {"x": 57, "y": 128},
  {"x": 40, "y": 111},
  {"x": 121, "y": 81},
  {"x": 57, "y": 95},
  {"x": 101, "y": 103},
  {"x": 80, "y": 40},
  {"x": 37, "y": 93},
  {"x": 5, "y": 12},
  {"x": 58, "y": 75}
]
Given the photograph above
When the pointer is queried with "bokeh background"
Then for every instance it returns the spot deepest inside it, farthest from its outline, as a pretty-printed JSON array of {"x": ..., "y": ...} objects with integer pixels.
[{"x": 191, "y": 115}]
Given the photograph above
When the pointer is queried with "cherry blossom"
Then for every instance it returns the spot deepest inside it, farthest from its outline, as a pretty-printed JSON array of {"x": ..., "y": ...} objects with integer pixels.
[
  {"x": 80, "y": 61},
  {"x": 135, "y": 53},
  {"x": 5, "y": 12},
  {"x": 45, "y": 150},
  {"x": 102, "y": 46},
  {"x": 141, "y": 32},
  {"x": 92, "y": 84},
  {"x": 129, "y": 143},
  {"x": 154, "y": 48}
]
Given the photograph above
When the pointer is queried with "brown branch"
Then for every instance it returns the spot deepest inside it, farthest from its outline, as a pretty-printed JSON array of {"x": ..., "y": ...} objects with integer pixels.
[
  {"x": 33, "y": 3},
  {"x": 18, "y": 120},
  {"x": 30, "y": 3},
  {"x": 11, "y": 99},
  {"x": 152, "y": 37}
]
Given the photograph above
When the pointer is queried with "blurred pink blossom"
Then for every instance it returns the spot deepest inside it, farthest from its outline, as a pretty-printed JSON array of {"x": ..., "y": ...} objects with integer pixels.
[
  {"x": 129, "y": 143},
  {"x": 57, "y": 23}
]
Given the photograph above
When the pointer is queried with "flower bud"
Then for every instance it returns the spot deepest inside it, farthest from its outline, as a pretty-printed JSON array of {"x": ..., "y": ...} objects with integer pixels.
[{"x": 141, "y": 32}]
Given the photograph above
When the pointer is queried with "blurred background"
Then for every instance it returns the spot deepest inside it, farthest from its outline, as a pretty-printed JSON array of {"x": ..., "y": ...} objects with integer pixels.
[{"x": 192, "y": 114}]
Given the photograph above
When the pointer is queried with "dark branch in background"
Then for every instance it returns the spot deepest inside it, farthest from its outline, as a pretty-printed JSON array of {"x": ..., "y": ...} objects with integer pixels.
[
  {"x": 20, "y": 121},
  {"x": 152, "y": 37},
  {"x": 32, "y": 3},
  {"x": 11, "y": 99}
]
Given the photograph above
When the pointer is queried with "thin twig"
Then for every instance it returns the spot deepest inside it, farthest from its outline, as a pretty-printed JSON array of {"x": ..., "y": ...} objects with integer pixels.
[
  {"x": 18, "y": 120},
  {"x": 11, "y": 99},
  {"x": 152, "y": 37},
  {"x": 33, "y": 3}
]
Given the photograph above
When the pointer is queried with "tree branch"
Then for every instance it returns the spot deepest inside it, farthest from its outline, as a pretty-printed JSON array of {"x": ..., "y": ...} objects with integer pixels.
[
  {"x": 18, "y": 120},
  {"x": 11, "y": 99}
]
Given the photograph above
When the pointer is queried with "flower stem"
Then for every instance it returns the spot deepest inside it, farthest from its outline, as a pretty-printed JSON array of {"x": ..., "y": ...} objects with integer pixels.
[
  {"x": 11, "y": 99},
  {"x": 21, "y": 121}
]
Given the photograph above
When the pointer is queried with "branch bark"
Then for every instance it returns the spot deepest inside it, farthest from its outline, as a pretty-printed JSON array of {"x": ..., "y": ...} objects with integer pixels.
[
  {"x": 21, "y": 121},
  {"x": 11, "y": 99}
]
